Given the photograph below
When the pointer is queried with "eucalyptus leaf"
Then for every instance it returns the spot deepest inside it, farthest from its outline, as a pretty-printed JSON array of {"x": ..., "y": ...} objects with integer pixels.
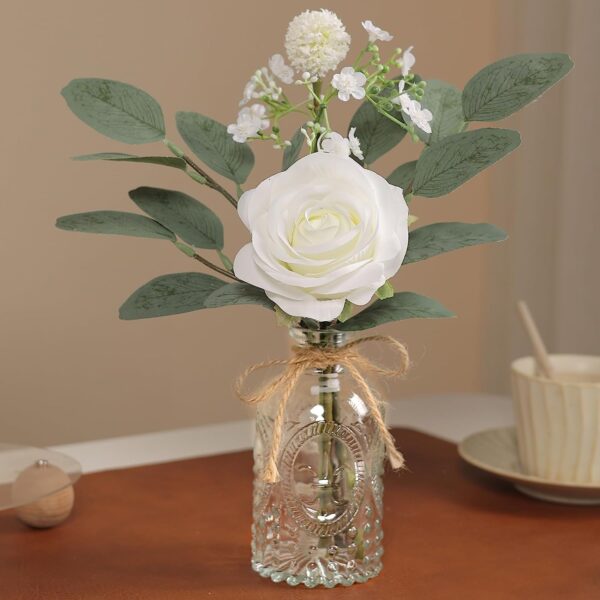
[
  {"x": 291, "y": 153},
  {"x": 438, "y": 238},
  {"x": 376, "y": 132},
  {"x": 118, "y": 110},
  {"x": 167, "y": 161},
  {"x": 444, "y": 102},
  {"x": 193, "y": 222},
  {"x": 403, "y": 176},
  {"x": 504, "y": 87},
  {"x": 402, "y": 305},
  {"x": 444, "y": 166},
  {"x": 238, "y": 293},
  {"x": 114, "y": 222},
  {"x": 211, "y": 143},
  {"x": 170, "y": 295}
]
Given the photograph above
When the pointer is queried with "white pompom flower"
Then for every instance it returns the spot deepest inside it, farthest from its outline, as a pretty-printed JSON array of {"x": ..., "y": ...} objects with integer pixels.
[
  {"x": 349, "y": 82},
  {"x": 251, "y": 120},
  {"x": 324, "y": 231},
  {"x": 376, "y": 33},
  {"x": 316, "y": 42}
]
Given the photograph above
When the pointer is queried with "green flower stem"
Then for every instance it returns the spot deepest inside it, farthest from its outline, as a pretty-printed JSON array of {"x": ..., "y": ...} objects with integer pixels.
[
  {"x": 189, "y": 251},
  {"x": 210, "y": 182},
  {"x": 358, "y": 58},
  {"x": 387, "y": 114},
  {"x": 326, "y": 466},
  {"x": 214, "y": 267}
]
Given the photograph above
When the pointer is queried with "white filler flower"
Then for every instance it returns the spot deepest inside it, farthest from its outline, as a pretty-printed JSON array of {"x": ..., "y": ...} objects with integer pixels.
[
  {"x": 355, "y": 144},
  {"x": 421, "y": 117},
  {"x": 316, "y": 41},
  {"x": 349, "y": 82},
  {"x": 408, "y": 61},
  {"x": 324, "y": 231},
  {"x": 376, "y": 33},
  {"x": 284, "y": 72},
  {"x": 251, "y": 120},
  {"x": 334, "y": 143}
]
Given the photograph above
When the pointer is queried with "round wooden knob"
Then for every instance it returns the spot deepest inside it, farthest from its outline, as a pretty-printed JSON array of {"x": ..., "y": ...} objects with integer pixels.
[{"x": 38, "y": 481}]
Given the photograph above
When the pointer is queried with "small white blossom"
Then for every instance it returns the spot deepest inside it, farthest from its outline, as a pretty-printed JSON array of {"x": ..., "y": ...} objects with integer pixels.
[
  {"x": 355, "y": 144},
  {"x": 376, "y": 33},
  {"x": 306, "y": 78},
  {"x": 249, "y": 92},
  {"x": 398, "y": 99},
  {"x": 261, "y": 84},
  {"x": 408, "y": 61},
  {"x": 421, "y": 117},
  {"x": 280, "y": 69},
  {"x": 334, "y": 143},
  {"x": 251, "y": 120},
  {"x": 349, "y": 82},
  {"x": 316, "y": 41}
]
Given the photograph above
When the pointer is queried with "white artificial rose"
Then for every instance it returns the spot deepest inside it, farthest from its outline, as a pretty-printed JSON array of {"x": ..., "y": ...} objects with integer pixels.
[{"x": 323, "y": 232}]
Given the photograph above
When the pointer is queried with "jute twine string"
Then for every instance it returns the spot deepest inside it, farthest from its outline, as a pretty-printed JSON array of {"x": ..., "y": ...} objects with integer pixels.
[{"x": 314, "y": 357}]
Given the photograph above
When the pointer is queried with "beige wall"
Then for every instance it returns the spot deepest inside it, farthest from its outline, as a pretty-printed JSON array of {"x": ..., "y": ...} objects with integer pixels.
[
  {"x": 70, "y": 370},
  {"x": 546, "y": 194}
]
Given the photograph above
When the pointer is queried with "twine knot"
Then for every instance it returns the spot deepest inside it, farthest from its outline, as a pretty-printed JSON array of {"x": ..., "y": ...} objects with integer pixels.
[{"x": 315, "y": 357}]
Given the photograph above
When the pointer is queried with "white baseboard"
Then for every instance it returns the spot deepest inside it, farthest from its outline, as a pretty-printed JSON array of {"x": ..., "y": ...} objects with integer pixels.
[{"x": 450, "y": 417}]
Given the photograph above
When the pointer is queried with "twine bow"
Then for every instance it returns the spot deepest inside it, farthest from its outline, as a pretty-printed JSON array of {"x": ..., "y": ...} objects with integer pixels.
[{"x": 316, "y": 357}]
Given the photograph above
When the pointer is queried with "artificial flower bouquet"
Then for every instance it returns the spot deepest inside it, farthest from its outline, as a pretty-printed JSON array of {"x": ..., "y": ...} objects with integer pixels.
[{"x": 327, "y": 236}]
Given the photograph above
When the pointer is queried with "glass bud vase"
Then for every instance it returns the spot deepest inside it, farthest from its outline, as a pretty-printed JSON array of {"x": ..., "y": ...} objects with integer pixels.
[{"x": 320, "y": 523}]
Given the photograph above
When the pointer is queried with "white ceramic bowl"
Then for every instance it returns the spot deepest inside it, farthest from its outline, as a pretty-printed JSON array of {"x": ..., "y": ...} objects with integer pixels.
[{"x": 558, "y": 422}]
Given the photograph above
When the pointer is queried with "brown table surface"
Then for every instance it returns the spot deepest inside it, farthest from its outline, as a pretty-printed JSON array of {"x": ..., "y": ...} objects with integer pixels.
[{"x": 181, "y": 530}]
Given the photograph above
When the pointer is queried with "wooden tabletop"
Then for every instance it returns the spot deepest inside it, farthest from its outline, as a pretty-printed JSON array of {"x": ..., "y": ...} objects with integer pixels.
[{"x": 181, "y": 531}]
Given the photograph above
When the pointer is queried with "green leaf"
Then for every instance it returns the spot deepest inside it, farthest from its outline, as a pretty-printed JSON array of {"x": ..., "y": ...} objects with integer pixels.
[
  {"x": 167, "y": 161},
  {"x": 446, "y": 165},
  {"x": 402, "y": 305},
  {"x": 385, "y": 291},
  {"x": 170, "y": 295},
  {"x": 114, "y": 222},
  {"x": 444, "y": 102},
  {"x": 346, "y": 312},
  {"x": 403, "y": 176},
  {"x": 438, "y": 238},
  {"x": 504, "y": 87},
  {"x": 118, "y": 110},
  {"x": 291, "y": 153},
  {"x": 238, "y": 293},
  {"x": 285, "y": 320},
  {"x": 193, "y": 222},
  {"x": 377, "y": 134},
  {"x": 211, "y": 143}
]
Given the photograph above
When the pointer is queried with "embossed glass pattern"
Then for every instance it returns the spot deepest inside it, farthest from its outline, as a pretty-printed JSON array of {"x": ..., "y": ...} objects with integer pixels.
[{"x": 321, "y": 523}]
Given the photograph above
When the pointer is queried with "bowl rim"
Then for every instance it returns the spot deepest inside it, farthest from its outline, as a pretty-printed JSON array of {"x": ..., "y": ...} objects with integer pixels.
[{"x": 516, "y": 368}]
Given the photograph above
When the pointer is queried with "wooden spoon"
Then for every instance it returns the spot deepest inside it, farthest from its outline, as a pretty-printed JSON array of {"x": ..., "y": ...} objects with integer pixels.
[{"x": 539, "y": 349}]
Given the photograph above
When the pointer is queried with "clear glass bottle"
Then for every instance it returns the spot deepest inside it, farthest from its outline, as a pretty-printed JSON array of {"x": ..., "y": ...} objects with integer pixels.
[{"x": 320, "y": 524}]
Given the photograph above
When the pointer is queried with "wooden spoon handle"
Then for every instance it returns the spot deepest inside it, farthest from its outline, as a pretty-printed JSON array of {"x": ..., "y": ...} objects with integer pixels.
[{"x": 539, "y": 349}]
